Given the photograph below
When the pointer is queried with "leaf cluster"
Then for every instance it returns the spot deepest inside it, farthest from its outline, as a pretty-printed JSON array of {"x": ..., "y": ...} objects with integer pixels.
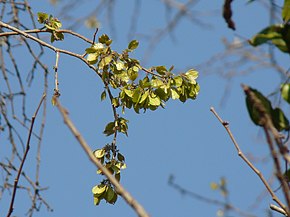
[
  {"x": 105, "y": 190},
  {"x": 52, "y": 24},
  {"x": 278, "y": 34}
]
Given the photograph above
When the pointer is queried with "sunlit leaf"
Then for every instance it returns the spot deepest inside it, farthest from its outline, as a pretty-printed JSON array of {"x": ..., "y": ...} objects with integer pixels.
[
  {"x": 285, "y": 92},
  {"x": 99, "y": 189},
  {"x": 286, "y": 11},
  {"x": 42, "y": 17},
  {"x": 99, "y": 153}
]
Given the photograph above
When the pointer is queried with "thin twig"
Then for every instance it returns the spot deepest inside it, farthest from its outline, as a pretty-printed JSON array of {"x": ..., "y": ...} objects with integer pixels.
[
  {"x": 241, "y": 154},
  {"x": 119, "y": 188},
  {"x": 24, "y": 157},
  {"x": 5, "y": 25}
]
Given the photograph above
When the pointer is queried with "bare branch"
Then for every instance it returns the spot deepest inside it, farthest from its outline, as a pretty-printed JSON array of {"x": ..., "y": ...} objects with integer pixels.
[
  {"x": 119, "y": 188},
  {"x": 24, "y": 158},
  {"x": 241, "y": 154}
]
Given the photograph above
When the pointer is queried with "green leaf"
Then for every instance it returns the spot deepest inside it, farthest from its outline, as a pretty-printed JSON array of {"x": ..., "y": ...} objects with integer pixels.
[
  {"x": 99, "y": 189},
  {"x": 272, "y": 33},
  {"x": 104, "y": 39},
  {"x": 129, "y": 92},
  {"x": 99, "y": 153},
  {"x": 103, "y": 95},
  {"x": 144, "y": 96},
  {"x": 155, "y": 83},
  {"x": 253, "y": 112},
  {"x": 120, "y": 157},
  {"x": 154, "y": 101},
  {"x": 92, "y": 58},
  {"x": 133, "y": 73},
  {"x": 191, "y": 75},
  {"x": 285, "y": 92},
  {"x": 109, "y": 194},
  {"x": 133, "y": 45},
  {"x": 279, "y": 120},
  {"x": 161, "y": 70},
  {"x": 109, "y": 129},
  {"x": 42, "y": 17},
  {"x": 286, "y": 11},
  {"x": 174, "y": 94},
  {"x": 178, "y": 81}
]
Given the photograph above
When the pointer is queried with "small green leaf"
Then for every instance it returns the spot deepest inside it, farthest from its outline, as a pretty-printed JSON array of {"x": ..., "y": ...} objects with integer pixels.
[
  {"x": 174, "y": 94},
  {"x": 99, "y": 189},
  {"x": 120, "y": 157},
  {"x": 279, "y": 120},
  {"x": 192, "y": 75},
  {"x": 285, "y": 92},
  {"x": 109, "y": 129},
  {"x": 99, "y": 153},
  {"x": 144, "y": 96},
  {"x": 133, "y": 73},
  {"x": 92, "y": 58},
  {"x": 133, "y": 45},
  {"x": 161, "y": 70},
  {"x": 286, "y": 11},
  {"x": 42, "y": 17},
  {"x": 103, "y": 95},
  {"x": 155, "y": 83},
  {"x": 109, "y": 194},
  {"x": 154, "y": 101},
  {"x": 96, "y": 200},
  {"x": 104, "y": 39},
  {"x": 178, "y": 81},
  {"x": 253, "y": 112}
]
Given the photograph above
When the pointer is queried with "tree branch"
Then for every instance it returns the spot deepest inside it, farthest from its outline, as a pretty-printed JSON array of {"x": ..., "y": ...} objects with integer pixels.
[
  {"x": 241, "y": 154},
  {"x": 119, "y": 188},
  {"x": 24, "y": 158}
]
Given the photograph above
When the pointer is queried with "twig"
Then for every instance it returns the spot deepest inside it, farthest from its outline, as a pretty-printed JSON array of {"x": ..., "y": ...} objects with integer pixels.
[
  {"x": 278, "y": 209},
  {"x": 56, "y": 89},
  {"x": 207, "y": 200},
  {"x": 241, "y": 154},
  {"x": 119, "y": 188},
  {"x": 5, "y": 25},
  {"x": 24, "y": 157}
]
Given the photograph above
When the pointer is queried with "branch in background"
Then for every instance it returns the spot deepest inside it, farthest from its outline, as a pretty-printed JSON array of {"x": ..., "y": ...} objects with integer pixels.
[
  {"x": 119, "y": 188},
  {"x": 22, "y": 33},
  {"x": 24, "y": 158},
  {"x": 241, "y": 154},
  {"x": 202, "y": 198}
]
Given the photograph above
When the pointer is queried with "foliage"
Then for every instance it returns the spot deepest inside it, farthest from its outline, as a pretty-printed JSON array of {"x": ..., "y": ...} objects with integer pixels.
[
  {"x": 279, "y": 36},
  {"x": 121, "y": 73}
]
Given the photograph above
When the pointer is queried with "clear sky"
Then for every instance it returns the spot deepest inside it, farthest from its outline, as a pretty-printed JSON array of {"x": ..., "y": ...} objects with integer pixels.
[{"x": 184, "y": 140}]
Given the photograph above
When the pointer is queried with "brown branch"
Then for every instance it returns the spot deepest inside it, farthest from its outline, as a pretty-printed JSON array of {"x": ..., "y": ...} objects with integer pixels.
[
  {"x": 24, "y": 158},
  {"x": 20, "y": 32},
  {"x": 47, "y": 30},
  {"x": 119, "y": 188},
  {"x": 241, "y": 154},
  {"x": 268, "y": 126}
]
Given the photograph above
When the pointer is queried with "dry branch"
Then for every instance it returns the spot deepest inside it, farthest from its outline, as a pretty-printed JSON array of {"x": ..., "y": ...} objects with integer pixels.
[{"x": 119, "y": 188}]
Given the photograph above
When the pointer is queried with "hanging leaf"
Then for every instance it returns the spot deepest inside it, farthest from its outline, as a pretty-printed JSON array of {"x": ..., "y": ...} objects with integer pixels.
[
  {"x": 133, "y": 45},
  {"x": 285, "y": 92}
]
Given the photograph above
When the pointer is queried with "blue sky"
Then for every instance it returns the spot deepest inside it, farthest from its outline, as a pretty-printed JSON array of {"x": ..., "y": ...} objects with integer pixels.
[{"x": 184, "y": 139}]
